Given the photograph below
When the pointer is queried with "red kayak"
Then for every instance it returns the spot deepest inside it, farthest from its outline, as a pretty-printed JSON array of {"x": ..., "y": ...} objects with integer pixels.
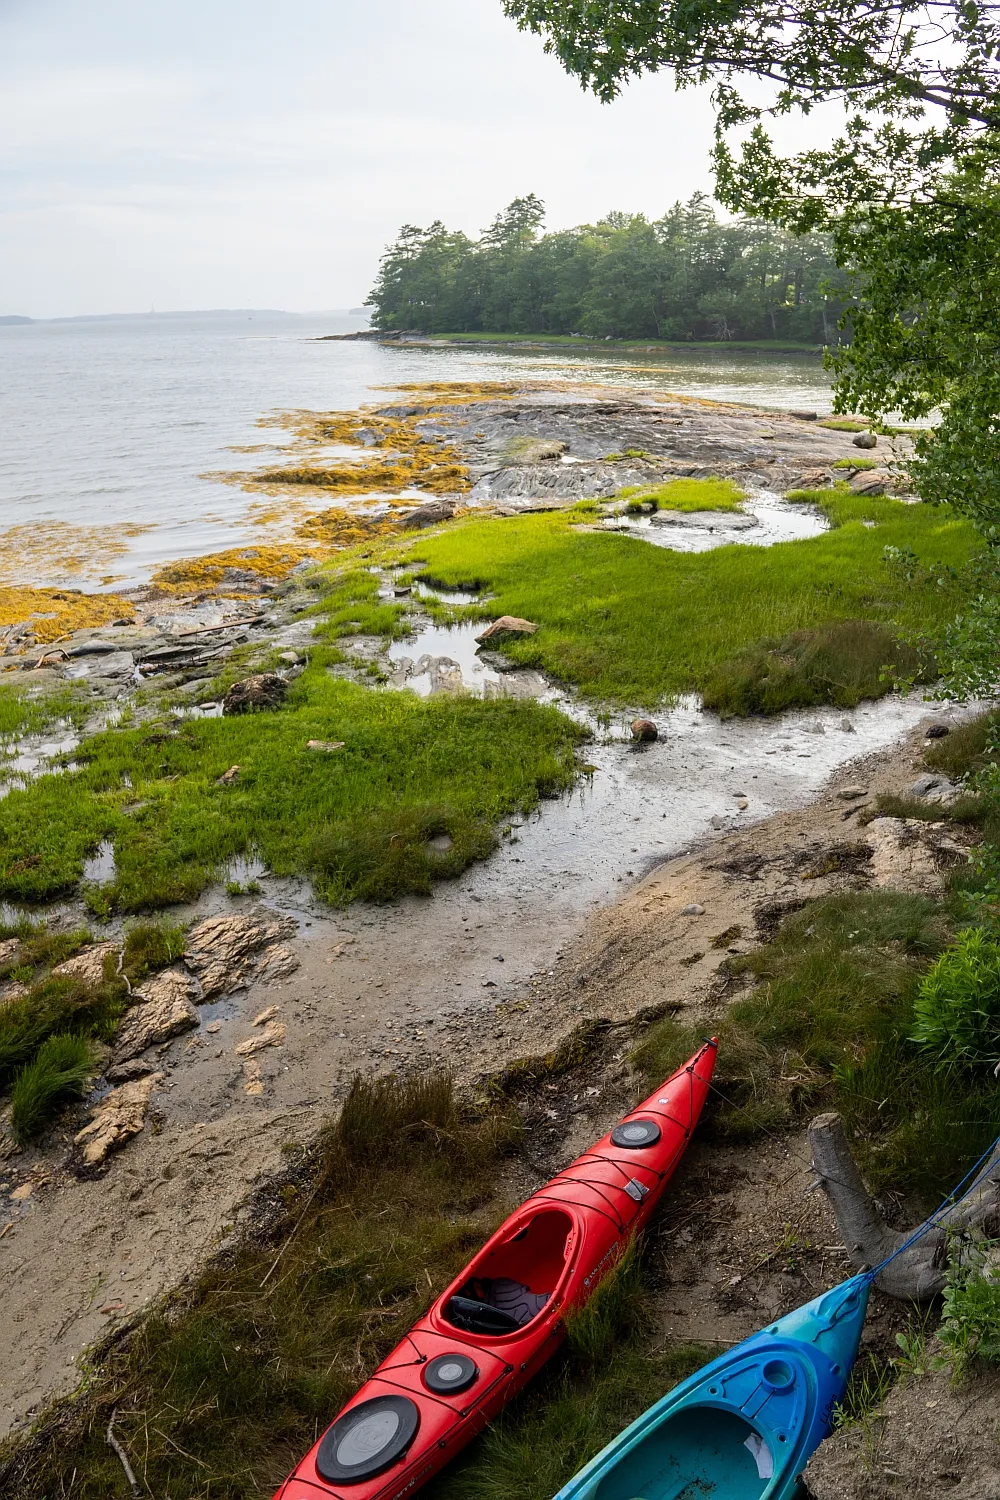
[{"x": 502, "y": 1318}]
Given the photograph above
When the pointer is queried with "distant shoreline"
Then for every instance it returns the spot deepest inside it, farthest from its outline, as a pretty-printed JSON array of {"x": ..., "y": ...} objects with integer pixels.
[{"x": 570, "y": 341}]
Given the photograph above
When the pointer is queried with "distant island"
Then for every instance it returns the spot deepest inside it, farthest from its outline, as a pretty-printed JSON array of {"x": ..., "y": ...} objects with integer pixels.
[
  {"x": 11, "y": 318},
  {"x": 687, "y": 277}
]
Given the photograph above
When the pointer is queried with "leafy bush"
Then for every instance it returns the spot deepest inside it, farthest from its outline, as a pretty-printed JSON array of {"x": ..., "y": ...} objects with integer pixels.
[
  {"x": 61, "y": 1070},
  {"x": 970, "y": 1330},
  {"x": 957, "y": 1010}
]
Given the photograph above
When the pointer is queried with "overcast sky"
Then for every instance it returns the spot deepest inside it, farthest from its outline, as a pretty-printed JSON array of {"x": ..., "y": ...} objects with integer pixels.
[{"x": 249, "y": 153}]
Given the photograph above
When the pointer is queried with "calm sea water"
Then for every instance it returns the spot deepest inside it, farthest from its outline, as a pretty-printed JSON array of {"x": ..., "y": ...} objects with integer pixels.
[{"x": 113, "y": 422}]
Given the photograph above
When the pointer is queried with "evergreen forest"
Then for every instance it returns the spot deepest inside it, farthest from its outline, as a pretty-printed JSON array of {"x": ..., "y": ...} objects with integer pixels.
[{"x": 687, "y": 276}]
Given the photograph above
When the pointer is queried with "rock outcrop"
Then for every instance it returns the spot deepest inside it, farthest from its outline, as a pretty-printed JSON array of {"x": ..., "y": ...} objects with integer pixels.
[
  {"x": 116, "y": 1119},
  {"x": 228, "y": 951}
]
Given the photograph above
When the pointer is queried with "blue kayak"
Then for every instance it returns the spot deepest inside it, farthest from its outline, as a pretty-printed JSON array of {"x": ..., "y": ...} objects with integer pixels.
[{"x": 745, "y": 1426}]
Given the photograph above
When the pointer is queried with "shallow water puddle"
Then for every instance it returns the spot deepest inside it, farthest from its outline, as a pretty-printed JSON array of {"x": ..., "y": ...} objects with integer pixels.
[
  {"x": 100, "y": 866},
  {"x": 641, "y": 803},
  {"x": 764, "y": 519}
]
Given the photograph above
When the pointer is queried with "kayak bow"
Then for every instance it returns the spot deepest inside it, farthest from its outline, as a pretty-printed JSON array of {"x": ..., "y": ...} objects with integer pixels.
[
  {"x": 501, "y": 1319},
  {"x": 745, "y": 1426}
]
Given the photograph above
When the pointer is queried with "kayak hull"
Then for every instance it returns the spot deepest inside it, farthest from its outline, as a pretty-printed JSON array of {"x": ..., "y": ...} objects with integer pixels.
[
  {"x": 501, "y": 1319},
  {"x": 744, "y": 1426}
]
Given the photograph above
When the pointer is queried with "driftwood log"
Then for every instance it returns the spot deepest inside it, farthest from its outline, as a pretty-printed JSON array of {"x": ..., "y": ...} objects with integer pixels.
[{"x": 919, "y": 1272}]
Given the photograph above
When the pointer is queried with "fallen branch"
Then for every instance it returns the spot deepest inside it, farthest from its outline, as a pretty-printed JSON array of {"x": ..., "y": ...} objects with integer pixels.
[
  {"x": 117, "y": 1448},
  {"x": 918, "y": 1273}
]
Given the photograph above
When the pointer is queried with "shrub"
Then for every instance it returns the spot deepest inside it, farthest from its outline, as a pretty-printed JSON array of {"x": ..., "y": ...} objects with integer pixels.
[
  {"x": 61, "y": 1070},
  {"x": 957, "y": 1011},
  {"x": 970, "y": 1330}
]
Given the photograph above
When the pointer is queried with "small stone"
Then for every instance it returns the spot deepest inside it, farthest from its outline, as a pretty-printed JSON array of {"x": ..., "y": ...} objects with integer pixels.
[
  {"x": 865, "y": 440},
  {"x": 272, "y": 1036},
  {"x": 717, "y": 821},
  {"x": 852, "y": 793},
  {"x": 263, "y": 690},
  {"x": 694, "y": 909},
  {"x": 326, "y": 746},
  {"x": 805, "y": 416},
  {"x": 24, "y": 1191},
  {"x": 742, "y": 802},
  {"x": 847, "y": 727},
  {"x": 924, "y": 785},
  {"x": 265, "y": 1016},
  {"x": 228, "y": 777},
  {"x": 213, "y": 1027},
  {"x": 937, "y": 732},
  {"x": 644, "y": 729},
  {"x": 254, "y": 1085},
  {"x": 441, "y": 843},
  {"x": 291, "y": 657}
]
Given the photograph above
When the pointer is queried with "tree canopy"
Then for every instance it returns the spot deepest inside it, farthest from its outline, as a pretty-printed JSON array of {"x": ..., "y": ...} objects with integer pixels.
[{"x": 684, "y": 276}]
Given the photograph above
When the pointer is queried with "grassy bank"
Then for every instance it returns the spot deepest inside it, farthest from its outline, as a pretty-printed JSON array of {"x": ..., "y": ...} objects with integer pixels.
[
  {"x": 219, "y": 1393},
  {"x": 627, "y": 622},
  {"x": 357, "y": 820},
  {"x": 641, "y": 346}
]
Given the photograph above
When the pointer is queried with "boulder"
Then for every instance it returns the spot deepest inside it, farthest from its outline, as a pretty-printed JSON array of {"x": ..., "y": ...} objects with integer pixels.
[
  {"x": 865, "y": 440},
  {"x": 227, "y": 952},
  {"x": 163, "y": 1007},
  {"x": 505, "y": 626},
  {"x": 116, "y": 1119},
  {"x": 427, "y": 515},
  {"x": 261, "y": 691},
  {"x": 805, "y": 416},
  {"x": 911, "y": 855},
  {"x": 937, "y": 732},
  {"x": 644, "y": 729}
]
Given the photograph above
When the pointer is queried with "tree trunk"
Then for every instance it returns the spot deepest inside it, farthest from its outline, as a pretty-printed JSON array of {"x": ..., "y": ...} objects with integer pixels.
[{"x": 919, "y": 1272}]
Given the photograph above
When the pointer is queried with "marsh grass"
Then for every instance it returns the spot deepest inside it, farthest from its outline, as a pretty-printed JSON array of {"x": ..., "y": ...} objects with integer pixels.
[
  {"x": 686, "y": 495},
  {"x": 840, "y": 664},
  {"x": 219, "y": 1394},
  {"x": 828, "y": 1025},
  {"x": 631, "y": 623},
  {"x": 24, "y": 713},
  {"x": 61, "y": 1070},
  {"x": 358, "y": 822},
  {"x": 844, "y": 424},
  {"x": 58, "y": 1003},
  {"x": 967, "y": 749}
]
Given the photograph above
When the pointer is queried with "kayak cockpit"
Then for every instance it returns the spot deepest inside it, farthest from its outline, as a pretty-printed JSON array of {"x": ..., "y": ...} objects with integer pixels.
[
  {"x": 515, "y": 1278},
  {"x": 702, "y": 1453}
]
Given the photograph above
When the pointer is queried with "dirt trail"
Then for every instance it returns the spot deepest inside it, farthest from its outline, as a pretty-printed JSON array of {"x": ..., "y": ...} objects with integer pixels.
[{"x": 413, "y": 986}]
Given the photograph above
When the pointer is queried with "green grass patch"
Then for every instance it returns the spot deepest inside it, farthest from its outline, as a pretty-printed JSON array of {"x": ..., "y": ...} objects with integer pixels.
[
  {"x": 686, "y": 495},
  {"x": 61, "y": 1070},
  {"x": 358, "y": 821},
  {"x": 219, "y": 1396},
  {"x": 630, "y": 623},
  {"x": 967, "y": 749},
  {"x": 844, "y": 424},
  {"x": 841, "y": 663},
  {"x": 855, "y": 463},
  {"x": 957, "y": 1011},
  {"x": 812, "y": 497},
  {"x": 59, "y": 1003},
  {"x": 23, "y": 712},
  {"x": 829, "y": 1026}
]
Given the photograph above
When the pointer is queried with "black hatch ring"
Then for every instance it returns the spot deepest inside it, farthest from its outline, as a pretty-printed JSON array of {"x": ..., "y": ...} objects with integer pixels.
[
  {"x": 367, "y": 1439},
  {"x": 450, "y": 1373},
  {"x": 635, "y": 1134}
]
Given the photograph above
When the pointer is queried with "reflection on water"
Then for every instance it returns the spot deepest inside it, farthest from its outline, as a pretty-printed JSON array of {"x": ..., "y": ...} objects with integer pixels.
[
  {"x": 771, "y": 520},
  {"x": 117, "y": 419}
]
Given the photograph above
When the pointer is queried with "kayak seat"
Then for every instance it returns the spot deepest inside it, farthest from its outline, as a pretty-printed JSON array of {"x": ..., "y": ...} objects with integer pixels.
[{"x": 494, "y": 1305}]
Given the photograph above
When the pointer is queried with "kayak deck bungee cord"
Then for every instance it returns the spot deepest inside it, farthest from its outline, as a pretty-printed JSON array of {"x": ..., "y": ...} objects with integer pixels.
[{"x": 501, "y": 1319}]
